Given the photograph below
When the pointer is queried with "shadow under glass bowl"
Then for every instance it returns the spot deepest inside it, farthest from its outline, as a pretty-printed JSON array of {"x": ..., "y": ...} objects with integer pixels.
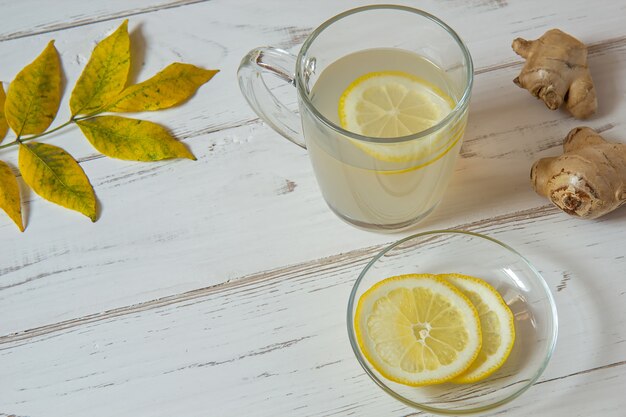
[{"x": 522, "y": 288}]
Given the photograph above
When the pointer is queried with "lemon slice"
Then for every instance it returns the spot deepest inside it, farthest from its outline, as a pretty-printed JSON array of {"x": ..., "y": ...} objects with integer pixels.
[
  {"x": 393, "y": 104},
  {"x": 417, "y": 329},
  {"x": 496, "y": 320}
]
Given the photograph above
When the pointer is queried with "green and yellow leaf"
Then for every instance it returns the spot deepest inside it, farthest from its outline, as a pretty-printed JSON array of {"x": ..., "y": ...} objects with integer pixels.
[
  {"x": 175, "y": 84},
  {"x": 35, "y": 94},
  {"x": 10, "y": 195},
  {"x": 132, "y": 139},
  {"x": 105, "y": 75},
  {"x": 4, "y": 127},
  {"x": 56, "y": 176}
]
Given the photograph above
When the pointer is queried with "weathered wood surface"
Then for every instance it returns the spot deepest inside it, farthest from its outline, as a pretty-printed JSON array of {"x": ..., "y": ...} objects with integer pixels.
[{"x": 219, "y": 287}]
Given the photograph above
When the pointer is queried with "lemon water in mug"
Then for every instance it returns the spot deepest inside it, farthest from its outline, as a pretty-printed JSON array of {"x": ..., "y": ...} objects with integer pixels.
[
  {"x": 371, "y": 177},
  {"x": 383, "y": 93}
]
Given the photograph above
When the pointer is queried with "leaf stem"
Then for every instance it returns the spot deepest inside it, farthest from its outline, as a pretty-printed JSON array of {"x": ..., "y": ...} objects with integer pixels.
[
  {"x": 6, "y": 145},
  {"x": 87, "y": 116},
  {"x": 47, "y": 132},
  {"x": 19, "y": 140}
]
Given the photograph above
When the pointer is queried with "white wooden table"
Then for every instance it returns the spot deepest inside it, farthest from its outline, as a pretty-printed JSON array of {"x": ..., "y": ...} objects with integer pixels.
[{"x": 219, "y": 287}]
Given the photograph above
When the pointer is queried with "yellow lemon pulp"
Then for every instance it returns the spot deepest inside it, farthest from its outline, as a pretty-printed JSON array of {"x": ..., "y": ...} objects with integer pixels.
[
  {"x": 417, "y": 329},
  {"x": 391, "y": 104},
  {"x": 497, "y": 324}
]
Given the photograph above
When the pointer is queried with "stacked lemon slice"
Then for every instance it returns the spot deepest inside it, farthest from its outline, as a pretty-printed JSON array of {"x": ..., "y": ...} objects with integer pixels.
[{"x": 427, "y": 329}]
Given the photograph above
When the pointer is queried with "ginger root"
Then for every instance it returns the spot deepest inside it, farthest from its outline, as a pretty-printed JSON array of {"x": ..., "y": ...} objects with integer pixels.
[
  {"x": 556, "y": 71},
  {"x": 588, "y": 180}
]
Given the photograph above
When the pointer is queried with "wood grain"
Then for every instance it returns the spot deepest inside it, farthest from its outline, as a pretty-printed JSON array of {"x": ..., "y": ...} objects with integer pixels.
[
  {"x": 359, "y": 257},
  {"x": 221, "y": 285},
  {"x": 83, "y": 13},
  {"x": 268, "y": 337},
  {"x": 233, "y": 180}
]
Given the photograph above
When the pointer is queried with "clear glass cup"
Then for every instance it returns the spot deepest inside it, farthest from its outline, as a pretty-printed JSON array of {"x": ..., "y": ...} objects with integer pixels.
[
  {"x": 518, "y": 282},
  {"x": 360, "y": 182}
]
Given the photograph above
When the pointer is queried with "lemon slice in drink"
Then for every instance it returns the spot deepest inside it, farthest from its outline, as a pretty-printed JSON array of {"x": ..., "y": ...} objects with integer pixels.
[
  {"x": 417, "y": 329},
  {"x": 391, "y": 104},
  {"x": 496, "y": 320}
]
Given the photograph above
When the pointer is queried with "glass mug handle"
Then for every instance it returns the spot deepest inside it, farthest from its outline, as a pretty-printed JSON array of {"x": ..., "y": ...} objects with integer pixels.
[{"x": 279, "y": 63}]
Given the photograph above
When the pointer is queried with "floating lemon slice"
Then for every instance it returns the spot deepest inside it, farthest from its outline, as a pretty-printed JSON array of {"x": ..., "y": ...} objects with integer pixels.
[
  {"x": 496, "y": 321},
  {"x": 417, "y": 329},
  {"x": 392, "y": 104}
]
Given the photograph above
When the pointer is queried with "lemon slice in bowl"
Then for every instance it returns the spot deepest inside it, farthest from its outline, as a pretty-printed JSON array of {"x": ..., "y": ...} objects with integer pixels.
[
  {"x": 391, "y": 104},
  {"x": 497, "y": 324},
  {"x": 417, "y": 329}
]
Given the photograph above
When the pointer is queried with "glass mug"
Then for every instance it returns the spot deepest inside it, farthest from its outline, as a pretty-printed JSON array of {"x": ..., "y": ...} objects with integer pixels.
[{"x": 370, "y": 182}]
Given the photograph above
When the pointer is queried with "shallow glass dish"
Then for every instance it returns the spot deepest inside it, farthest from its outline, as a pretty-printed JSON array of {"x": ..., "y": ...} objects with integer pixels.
[{"x": 519, "y": 283}]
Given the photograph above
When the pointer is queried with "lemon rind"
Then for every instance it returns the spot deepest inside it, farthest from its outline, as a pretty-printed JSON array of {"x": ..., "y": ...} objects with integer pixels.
[
  {"x": 483, "y": 374},
  {"x": 369, "y": 75},
  {"x": 415, "y": 383},
  {"x": 455, "y": 134}
]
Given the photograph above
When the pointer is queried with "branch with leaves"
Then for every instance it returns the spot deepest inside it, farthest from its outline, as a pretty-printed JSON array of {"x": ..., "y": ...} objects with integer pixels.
[{"x": 33, "y": 99}]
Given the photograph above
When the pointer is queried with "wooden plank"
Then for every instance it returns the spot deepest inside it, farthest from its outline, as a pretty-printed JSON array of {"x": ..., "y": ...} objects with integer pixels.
[
  {"x": 249, "y": 186},
  {"x": 281, "y": 339},
  {"x": 186, "y": 37},
  {"x": 492, "y": 21},
  {"x": 350, "y": 258},
  {"x": 53, "y": 17},
  {"x": 32, "y": 261},
  {"x": 160, "y": 306}
]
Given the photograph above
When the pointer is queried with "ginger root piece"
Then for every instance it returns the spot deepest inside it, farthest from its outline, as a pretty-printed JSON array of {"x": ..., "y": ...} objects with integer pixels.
[
  {"x": 556, "y": 71},
  {"x": 588, "y": 180}
]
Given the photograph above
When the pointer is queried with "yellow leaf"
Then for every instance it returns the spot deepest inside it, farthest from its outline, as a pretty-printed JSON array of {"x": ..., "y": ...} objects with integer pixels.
[
  {"x": 172, "y": 86},
  {"x": 35, "y": 94},
  {"x": 10, "y": 195},
  {"x": 56, "y": 176},
  {"x": 4, "y": 127},
  {"x": 105, "y": 74},
  {"x": 132, "y": 139}
]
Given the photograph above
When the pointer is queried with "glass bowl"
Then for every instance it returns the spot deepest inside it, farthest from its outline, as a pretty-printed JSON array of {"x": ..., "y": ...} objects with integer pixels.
[{"x": 519, "y": 283}]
